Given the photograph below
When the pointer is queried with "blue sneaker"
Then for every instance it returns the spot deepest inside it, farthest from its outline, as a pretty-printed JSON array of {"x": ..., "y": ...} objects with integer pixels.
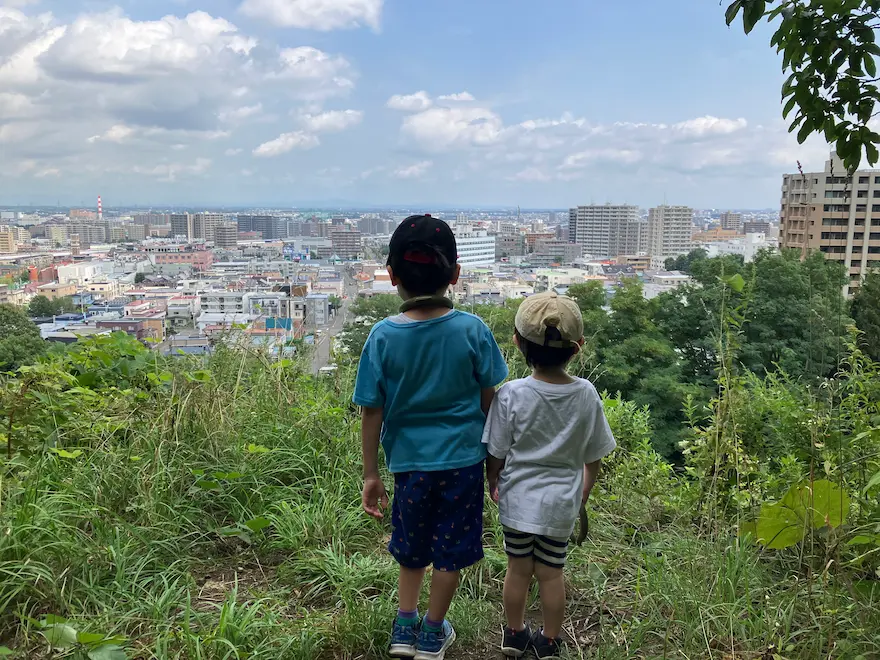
[
  {"x": 432, "y": 644},
  {"x": 404, "y": 639}
]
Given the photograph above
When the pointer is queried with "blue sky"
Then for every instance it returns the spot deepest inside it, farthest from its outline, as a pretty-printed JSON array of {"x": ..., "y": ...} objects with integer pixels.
[{"x": 280, "y": 102}]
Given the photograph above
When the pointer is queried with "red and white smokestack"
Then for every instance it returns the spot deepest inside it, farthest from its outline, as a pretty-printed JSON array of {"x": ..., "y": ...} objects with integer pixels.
[{"x": 100, "y": 210}]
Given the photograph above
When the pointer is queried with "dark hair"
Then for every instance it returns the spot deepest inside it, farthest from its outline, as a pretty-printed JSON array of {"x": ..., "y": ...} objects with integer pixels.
[
  {"x": 546, "y": 357},
  {"x": 422, "y": 276}
]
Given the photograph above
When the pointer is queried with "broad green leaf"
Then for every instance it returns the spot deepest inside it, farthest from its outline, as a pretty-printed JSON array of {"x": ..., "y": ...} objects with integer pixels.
[
  {"x": 108, "y": 652},
  {"x": 870, "y": 65},
  {"x": 208, "y": 485},
  {"x": 52, "y": 619},
  {"x": 5, "y": 651},
  {"x": 134, "y": 459},
  {"x": 823, "y": 504},
  {"x": 752, "y": 14},
  {"x": 779, "y": 526},
  {"x": 257, "y": 449},
  {"x": 60, "y": 635},
  {"x": 258, "y": 524},
  {"x": 748, "y": 530},
  {"x": 732, "y": 11},
  {"x": 90, "y": 639},
  {"x": 63, "y": 453},
  {"x": 861, "y": 540},
  {"x": 872, "y": 482},
  {"x": 736, "y": 282}
]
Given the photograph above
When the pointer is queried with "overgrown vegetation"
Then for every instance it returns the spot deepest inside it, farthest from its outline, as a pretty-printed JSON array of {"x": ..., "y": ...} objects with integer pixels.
[{"x": 184, "y": 508}]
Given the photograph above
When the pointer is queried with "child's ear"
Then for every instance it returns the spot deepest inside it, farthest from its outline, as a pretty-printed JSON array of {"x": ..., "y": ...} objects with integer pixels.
[
  {"x": 577, "y": 348},
  {"x": 456, "y": 274},
  {"x": 391, "y": 275}
]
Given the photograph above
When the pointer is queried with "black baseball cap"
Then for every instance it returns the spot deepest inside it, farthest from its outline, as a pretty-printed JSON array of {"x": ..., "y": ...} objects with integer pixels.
[{"x": 425, "y": 240}]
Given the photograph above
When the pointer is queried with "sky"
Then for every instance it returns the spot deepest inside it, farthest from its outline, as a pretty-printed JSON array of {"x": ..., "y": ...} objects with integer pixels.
[{"x": 389, "y": 102}]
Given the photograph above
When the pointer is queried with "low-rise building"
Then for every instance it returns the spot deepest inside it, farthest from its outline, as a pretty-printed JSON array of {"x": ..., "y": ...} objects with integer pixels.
[{"x": 54, "y": 290}]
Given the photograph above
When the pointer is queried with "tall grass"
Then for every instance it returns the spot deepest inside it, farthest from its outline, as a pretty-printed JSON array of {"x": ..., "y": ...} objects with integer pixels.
[{"x": 149, "y": 534}]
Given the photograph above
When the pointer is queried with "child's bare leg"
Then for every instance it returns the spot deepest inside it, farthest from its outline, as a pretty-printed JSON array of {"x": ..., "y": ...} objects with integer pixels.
[
  {"x": 443, "y": 586},
  {"x": 552, "y": 590},
  {"x": 409, "y": 586},
  {"x": 516, "y": 590}
]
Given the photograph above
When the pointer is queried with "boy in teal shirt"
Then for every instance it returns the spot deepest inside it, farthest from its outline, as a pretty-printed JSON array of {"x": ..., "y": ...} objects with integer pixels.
[{"x": 425, "y": 381}]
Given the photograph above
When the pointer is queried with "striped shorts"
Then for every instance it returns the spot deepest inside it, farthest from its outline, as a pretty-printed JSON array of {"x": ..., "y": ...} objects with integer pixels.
[{"x": 545, "y": 549}]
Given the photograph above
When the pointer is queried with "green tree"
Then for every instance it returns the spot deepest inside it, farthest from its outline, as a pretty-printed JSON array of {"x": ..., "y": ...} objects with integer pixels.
[
  {"x": 20, "y": 341},
  {"x": 41, "y": 306},
  {"x": 139, "y": 277},
  {"x": 66, "y": 305},
  {"x": 866, "y": 313},
  {"x": 686, "y": 262},
  {"x": 366, "y": 312},
  {"x": 828, "y": 49}
]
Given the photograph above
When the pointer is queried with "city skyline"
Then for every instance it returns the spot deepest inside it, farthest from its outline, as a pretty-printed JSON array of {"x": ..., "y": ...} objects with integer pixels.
[{"x": 372, "y": 103}]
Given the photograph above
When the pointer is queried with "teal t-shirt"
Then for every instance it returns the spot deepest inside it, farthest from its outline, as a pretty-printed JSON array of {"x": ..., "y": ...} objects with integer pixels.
[{"x": 427, "y": 376}]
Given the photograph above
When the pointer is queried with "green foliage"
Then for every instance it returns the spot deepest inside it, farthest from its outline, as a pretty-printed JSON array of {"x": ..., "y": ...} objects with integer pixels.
[
  {"x": 41, "y": 306},
  {"x": 866, "y": 313},
  {"x": 806, "y": 506},
  {"x": 366, "y": 312},
  {"x": 686, "y": 262},
  {"x": 20, "y": 341},
  {"x": 139, "y": 277},
  {"x": 829, "y": 50}
]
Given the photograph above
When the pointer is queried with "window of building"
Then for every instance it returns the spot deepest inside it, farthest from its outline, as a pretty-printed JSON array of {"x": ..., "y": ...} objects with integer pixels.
[
  {"x": 875, "y": 236},
  {"x": 840, "y": 194},
  {"x": 872, "y": 249},
  {"x": 835, "y": 222},
  {"x": 834, "y": 235},
  {"x": 840, "y": 208},
  {"x": 857, "y": 249},
  {"x": 862, "y": 193},
  {"x": 861, "y": 208},
  {"x": 877, "y": 180},
  {"x": 832, "y": 249},
  {"x": 855, "y": 262},
  {"x": 875, "y": 222},
  {"x": 859, "y": 236},
  {"x": 838, "y": 179},
  {"x": 864, "y": 179}
]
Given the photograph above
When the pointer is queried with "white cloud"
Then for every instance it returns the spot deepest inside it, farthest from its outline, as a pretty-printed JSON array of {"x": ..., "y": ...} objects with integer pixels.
[
  {"x": 439, "y": 129},
  {"x": 17, "y": 3},
  {"x": 240, "y": 114},
  {"x": 531, "y": 174},
  {"x": 608, "y": 155},
  {"x": 286, "y": 142},
  {"x": 232, "y": 152},
  {"x": 169, "y": 172},
  {"x": 414, "y": 171},
  {"x": 317, "y": 14},
  {"x": 461, "y": 96},
  {"x": 332, "y": 121},
  {"x": 708, "y": 125},
  {"x": 116, "y": 133},
  {"x": 410, "y": 102}
]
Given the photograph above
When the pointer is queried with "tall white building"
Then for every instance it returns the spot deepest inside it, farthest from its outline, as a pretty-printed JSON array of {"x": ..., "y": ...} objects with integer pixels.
[
  {"x": 670, "y": 229},
  {"x": 205, "y": 225},
  {"x": 475, "y": 246},
  {"x": 607, "y": 230}
]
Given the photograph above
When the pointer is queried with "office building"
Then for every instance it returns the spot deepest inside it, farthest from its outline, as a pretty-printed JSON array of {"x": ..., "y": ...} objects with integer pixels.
[
  {"x": 475, "y": 246},
  {"x": 731, "y": 221},
  {"x": 347, "y": 244},
  {"x": 509, "y": 245},
  {"x": 756, "y": 227},
  {"x": 549, "y": 252},
  {"x": 226, "y": 235},
  {"x": 136, "y": 232},
  {"x": 269, "y": 227},
  {"x": 607, "y": 230},
  {"x": 205, "y": 224},
  {"x": 669, "y": 231},
  {"x": 835, "y": 214},
  {"x": 182, "y": 225}
]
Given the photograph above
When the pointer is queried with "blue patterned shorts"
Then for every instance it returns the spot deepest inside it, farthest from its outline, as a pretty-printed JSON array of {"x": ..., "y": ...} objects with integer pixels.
[{"x": 437, "y": 518}]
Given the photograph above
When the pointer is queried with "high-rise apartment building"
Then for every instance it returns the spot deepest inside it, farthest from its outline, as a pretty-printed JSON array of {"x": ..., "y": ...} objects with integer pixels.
[
  {"x": 835, "y": 214},
  {"x": 347, "y": 244},
  {"x": 7, "y": 240},
  {"x": 182, "y": 225},
  {"x": 270, "y": 227},
  {"x": 731, "y": 221},
  {"x": 670, "y": 229},
  {"x": 756, "y": 227},
  {"x": 226, "y": 235},
  {"x": 205, "y": 224},
  {"x": 607, "y": 230}
]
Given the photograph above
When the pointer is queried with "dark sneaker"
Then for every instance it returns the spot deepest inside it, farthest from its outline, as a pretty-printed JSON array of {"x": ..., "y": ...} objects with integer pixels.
[
  {"x": 545, "y": 648},
  {"x": 515, "y": 644},
  {"x": 432, "y": 644},
  {"x": 403, "y": 640}
]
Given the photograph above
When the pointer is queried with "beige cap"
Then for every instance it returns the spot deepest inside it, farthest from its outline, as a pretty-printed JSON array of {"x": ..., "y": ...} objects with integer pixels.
[{"x": 550, "y": 310}]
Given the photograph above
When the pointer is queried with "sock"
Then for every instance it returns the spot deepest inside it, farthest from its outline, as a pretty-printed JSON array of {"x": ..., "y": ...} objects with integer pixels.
[
  {"x": 433, "y": 626},
  {"x": 408, "y": 617}
]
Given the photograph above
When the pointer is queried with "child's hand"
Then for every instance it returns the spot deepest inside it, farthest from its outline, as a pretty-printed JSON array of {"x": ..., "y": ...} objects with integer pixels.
[
  {"x": 493, "y": 489},
  {"x": 374, "y": 498}
]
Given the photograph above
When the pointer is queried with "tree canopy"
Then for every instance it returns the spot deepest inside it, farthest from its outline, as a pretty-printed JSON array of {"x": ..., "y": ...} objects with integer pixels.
[
  {"x": 20, "y": 341},
  {"x": 866, "y": 313}
]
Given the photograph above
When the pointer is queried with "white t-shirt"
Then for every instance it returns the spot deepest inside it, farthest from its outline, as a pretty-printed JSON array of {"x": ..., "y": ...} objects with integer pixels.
[{"x": 546, "y": 432}]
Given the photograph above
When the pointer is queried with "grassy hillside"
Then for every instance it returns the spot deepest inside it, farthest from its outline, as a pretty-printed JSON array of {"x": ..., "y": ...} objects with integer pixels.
[{"x": 212, "y": 510}]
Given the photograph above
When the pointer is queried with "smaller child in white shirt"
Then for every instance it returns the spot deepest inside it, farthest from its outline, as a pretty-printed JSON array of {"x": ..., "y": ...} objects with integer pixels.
[{"x": 546, "y": 437}]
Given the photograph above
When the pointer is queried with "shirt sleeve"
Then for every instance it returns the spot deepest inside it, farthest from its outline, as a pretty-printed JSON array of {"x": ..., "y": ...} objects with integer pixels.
[
  {"x": 491, "y": 369},
  {"x": 601, "y": 441},
  {"x": 497, "y": 435},
  {"x": 369, "y": 390}
]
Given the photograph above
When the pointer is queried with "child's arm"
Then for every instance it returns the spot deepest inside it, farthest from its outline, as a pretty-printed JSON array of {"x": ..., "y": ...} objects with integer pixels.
[
  {"x": 591, "y": 474},
  {"x": 487, "y": 394},
  {"x": 493, "y": 471},
  {"x": 374, "y": 498}
]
